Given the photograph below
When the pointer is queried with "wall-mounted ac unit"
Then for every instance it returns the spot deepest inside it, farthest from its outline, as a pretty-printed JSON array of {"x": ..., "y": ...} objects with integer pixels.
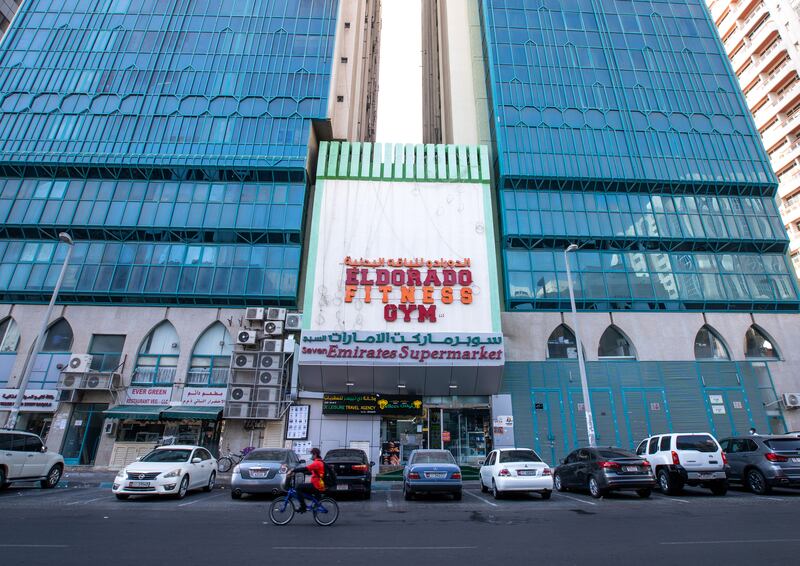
[
  {"x": 239, "y": 394},
  {"x": 69, "y": 396},
  {"x": 275, "y": 314},
  {"x": 236, "y": 410},
  {"x": 270, "y": 361},
  {"x": 264, "y": 411},
  {"x": 247, "y": 338},
  {"x": 95, "y": 381},
  {"x": 245, "y": 361},
  {"x": 254, "y": 313},
  {"x": 69, "y": 381},
  {"x": 791, "y": 400},
  {"x": 267, "y": 395},
  {"x": 79, "y": 363},
  {"x": 271, "y": 345},
  {"x": 273, "y": 328},
  {"x": 294, "y": 320},
  {"x": 269, "y": 377}
]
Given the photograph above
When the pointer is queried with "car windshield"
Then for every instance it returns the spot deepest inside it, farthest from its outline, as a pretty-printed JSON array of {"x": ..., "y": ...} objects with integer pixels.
[
  {"x": 266, "y": 456},
  {"x": 698, "y": 442},
  {"x": 507, "y": 456},
  {"x": 168, "y": 455},
  {"x": 357, "y": 455},
  {"x": 784, "y": 444},
  {"x": 615, "y": 453},
  {"x": 433, "y": 458}
]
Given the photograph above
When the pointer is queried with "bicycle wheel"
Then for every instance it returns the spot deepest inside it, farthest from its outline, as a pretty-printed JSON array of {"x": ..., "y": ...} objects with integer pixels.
[
  {"x": 326, "y": 512},
  {"x": 281, "y": 511},
  {"x": 224, "y": 464}
]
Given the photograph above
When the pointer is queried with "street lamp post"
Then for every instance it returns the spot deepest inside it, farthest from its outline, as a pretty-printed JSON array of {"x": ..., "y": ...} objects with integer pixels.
[
  {"x": 11, "y": 422},
  {"x": 587, "y": 404}
]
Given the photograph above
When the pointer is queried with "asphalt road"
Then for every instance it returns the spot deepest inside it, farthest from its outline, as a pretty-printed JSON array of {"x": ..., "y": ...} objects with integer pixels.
[{"x": 87, "y": 525}]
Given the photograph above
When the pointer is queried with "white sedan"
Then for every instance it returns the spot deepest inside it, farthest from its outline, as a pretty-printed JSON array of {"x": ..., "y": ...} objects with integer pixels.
[
  {"x": 515, "y": 469},
  {"x": 167, "y": 470}
]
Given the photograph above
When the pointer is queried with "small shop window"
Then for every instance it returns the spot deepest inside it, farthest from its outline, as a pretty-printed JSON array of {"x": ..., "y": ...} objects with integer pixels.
[{"x": 135, "y": 431}]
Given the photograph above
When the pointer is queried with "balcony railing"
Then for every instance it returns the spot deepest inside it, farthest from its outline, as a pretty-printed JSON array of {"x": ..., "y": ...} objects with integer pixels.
[
  {"x": 153, "y": 376},
  {"x": 207, "y": 376}
]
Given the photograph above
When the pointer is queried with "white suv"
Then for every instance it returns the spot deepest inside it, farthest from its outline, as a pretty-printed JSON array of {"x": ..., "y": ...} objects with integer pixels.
[
  {"x": 680, "y": 459},
  {"x": 23, "y": 457}
]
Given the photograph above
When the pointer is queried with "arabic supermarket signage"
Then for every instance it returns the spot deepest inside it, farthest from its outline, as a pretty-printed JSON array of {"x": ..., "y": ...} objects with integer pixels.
[
  {"x": 347, "y": 404},
  {"x": 410, "y": 289},
  {"x": 399, "y": 348},
  {"x": 34, "y": 400}
]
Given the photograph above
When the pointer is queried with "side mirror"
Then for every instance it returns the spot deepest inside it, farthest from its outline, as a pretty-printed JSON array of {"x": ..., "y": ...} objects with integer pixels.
[
  {"x": 371, "y": 464},
  {"x": 481, "y": 462},
  {"x": 196, "y": 460},
  {"x": 138, "y": 458},
  {"x": 563, "y": 460},
  {"x": 44, "y": 449}
]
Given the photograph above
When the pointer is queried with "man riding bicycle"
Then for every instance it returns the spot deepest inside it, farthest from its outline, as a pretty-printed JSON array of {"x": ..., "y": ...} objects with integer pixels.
[{"x": 317, "y": 485}]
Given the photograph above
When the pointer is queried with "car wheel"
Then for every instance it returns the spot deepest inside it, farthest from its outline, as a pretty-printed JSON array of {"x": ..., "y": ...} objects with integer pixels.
[
  {"x": 407, "y": 495},
  {"x": 236, "y": 494},
  {"x": 484, "y": 489},
  {"x": 496, "y": 493},
  {"x": 757, "y": 483},
  {"x": 211, "y": 481},
  {"x": 594, "y": 488},
  {"x": 644, "y": 493},
  {"x": 52, "y": 479},
  {"x": 3, "y": 483},
  {"x": 122, "y": 496},
  {"x": 368, "y": 494},
  {"x": 546, "y": 494},
  {"x": 457, "y": 496},
  {"x": 669, "y": 485},
  {"x": 183, "y": 488},
  {"x": 720, "y": 487},
  {"x": 557, "y": 483}
]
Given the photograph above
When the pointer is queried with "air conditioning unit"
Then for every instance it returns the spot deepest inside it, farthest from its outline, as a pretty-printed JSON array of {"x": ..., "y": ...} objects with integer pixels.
[
  {"x": 110, "y": 427},
  {"x": 273, "y": 328},
  {"x": 267, "y": 395},
  {"x": 239, "y": 394},
  {"x": 79, "y": 363},
  {"x": 264, "y": 412},
  {"x": 270, "y": 361},
  {"x": 276, "y": 314},
  {"x": 245, "y": 361},
  {"x": 269, "y": 377},
  {"x": 69, "y": 381},
  {"x": 272, "y": 346},
  {"x": 69, "y": 396},
  {"x": 236, "y": 410},
  {"x": 791, "y": 400},
  {"x": 294, "y": 320},
  {"x": 254, "y": 313},
  {"x": 247, "y": 338},
  {"x": 95, "y": 381}
]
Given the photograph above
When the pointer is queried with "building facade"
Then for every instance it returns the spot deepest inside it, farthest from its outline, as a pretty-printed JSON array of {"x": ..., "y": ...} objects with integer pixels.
[
  {"x": 620, "y": 127},
  {"x": 7, "y": 10},
  {"x": 762, "y": 40},
  {"x": 174, "y": 143}
]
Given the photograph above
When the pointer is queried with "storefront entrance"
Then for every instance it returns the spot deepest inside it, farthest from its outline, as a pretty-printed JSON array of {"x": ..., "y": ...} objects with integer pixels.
[{"x": 83, "y": 434}]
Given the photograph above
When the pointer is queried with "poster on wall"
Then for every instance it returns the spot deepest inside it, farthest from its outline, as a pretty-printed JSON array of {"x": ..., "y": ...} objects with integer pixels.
[{"x": 297, "y": 422}]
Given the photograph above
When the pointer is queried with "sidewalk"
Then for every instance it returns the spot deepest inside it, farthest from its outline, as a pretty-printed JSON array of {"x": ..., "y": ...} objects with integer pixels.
[{"x": 78, "y": 476}]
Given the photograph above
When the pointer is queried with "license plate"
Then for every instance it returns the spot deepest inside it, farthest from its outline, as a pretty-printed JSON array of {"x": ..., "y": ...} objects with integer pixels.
[
  {"x": 527, "y": 472},
  {"x": 343, "y": 487},
  {"x": 631, "y": 469},
  {"x": 436, "y": 475},
  {"x": 139, "y": 484},
  {"x": 706, "y": 476},
  {"x": 258, "y": 475}
]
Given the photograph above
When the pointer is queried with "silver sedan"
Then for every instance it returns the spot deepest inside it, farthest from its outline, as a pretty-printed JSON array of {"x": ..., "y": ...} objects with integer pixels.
[{"x": 263, "y": 471}]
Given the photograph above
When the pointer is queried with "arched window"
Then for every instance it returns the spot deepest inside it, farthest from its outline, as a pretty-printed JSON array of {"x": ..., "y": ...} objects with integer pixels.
[
  {"x": 158, "y": 357},
  {"x": 758, "y": 345},
  {"x": 211, "y": 357},
  {"x": 562, "y": 344},
  {"x": 55, "y": 352},
  {"x": 614, "y": 344},
  {"x": 709, "y": 346},
  {"x": 9, "y": 339}
]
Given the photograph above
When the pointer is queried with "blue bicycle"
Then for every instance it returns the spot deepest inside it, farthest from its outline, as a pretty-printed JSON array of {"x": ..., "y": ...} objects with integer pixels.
[{"x": 325, "y": 510}]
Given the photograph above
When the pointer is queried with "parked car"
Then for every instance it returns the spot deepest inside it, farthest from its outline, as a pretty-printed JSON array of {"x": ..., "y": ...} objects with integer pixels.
[
  {"x": 24, "y": 457},
  {"x": 515, "y": 469},
  {"x": 263, "y": 471},
  {"x": 353, "y": 470},
  {"x": 680, "y": 459},
  {"x": 431, "y": 471},
  {"x": 601, "y": 470},
  {"x": 167, "y": 470},
  {"x": 763, "y": 462}
]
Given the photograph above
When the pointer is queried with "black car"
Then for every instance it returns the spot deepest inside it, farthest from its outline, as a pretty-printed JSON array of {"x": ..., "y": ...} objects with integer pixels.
[
  {"x": 353, "y": 470},
  {"x": 601, "y": 470}
]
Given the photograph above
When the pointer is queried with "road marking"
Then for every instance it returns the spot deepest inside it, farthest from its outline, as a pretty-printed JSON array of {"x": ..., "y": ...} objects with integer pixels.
[
  {"x": 200, "y": 499},
  {"x": 86, "y": 502},
  {"x": 34, "y": 546},
  {"x": 316, "y": 548},
  {"x": 675, "y": 499},
  {"x": 750, "y": 541},
  {"x": 389, "y": 499},
  {"x": 481, "y": 498},
  {"x": 577, "y": 499}
]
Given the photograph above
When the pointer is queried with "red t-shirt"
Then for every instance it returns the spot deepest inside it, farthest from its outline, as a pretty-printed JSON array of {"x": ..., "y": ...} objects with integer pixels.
[{"x": 317, "y": 469}]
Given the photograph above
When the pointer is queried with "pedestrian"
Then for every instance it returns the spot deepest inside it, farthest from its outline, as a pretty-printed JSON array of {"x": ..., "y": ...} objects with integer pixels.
[{"x": 752, "y": 431}]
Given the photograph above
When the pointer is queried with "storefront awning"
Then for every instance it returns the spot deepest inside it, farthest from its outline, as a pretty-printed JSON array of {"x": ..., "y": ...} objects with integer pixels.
[
  {"x": 180, "y": 412},
  {"x": 138, "y": 412}
]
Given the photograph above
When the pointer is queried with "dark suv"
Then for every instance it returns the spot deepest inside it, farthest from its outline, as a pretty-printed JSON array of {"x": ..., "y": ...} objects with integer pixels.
[
  {"x": 763, "y": 462},
  {"x": 353, "y": 470}
]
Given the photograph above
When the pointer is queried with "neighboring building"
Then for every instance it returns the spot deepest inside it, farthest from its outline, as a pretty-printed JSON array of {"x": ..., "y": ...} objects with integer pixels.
[
  {"x": 620, "y": 127},
  {"x": 176, "y": 145},
  {"x": 762, "y": 39},
  {"x": 7, "y": 10}
]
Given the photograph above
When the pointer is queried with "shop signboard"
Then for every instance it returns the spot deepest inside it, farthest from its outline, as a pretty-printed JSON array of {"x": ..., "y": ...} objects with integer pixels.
[
  {"x": 34, "y": 400},
  {"x": 203, "y": 396},
  {"x": 148, "y": 395},
  {"x": 398, "y": 348},
  {"x": 346, "y": 404}
]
